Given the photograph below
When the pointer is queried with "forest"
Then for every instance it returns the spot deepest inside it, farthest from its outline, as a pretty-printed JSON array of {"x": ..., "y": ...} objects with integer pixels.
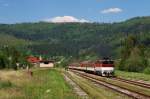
[{"x": 120, "y": 41}]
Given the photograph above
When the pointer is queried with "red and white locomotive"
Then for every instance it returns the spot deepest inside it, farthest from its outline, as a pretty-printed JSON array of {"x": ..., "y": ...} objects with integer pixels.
[{"x": 103, "y": 67}]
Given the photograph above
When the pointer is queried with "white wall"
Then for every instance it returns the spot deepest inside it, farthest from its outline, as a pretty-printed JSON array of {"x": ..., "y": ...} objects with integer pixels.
[{"x": 50, "y": 65}]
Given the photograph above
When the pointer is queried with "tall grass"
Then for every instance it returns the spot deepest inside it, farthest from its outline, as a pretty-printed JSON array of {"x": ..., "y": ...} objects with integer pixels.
[
  {"x": 5, "y": 84},
  {"x": 44, "y": 84}
]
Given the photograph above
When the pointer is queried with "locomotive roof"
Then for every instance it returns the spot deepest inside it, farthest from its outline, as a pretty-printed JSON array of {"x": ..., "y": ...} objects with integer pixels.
[
  {"x": 86, "y": 62},
  {"x": 105, "y": 60},
  {"x": 74, "y": 64}
]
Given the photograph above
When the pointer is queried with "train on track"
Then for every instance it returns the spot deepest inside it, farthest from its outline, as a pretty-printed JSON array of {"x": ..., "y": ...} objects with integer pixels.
[{"x": 103, "y": 67}]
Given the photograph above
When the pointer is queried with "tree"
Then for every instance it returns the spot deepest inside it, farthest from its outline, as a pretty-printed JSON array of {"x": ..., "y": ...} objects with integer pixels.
[
  {"x": 133, "y": 57},
  {"x": 10, "y": 57}
]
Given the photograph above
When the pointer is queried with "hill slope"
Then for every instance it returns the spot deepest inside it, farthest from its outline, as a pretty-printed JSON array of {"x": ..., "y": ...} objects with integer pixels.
[{"x": 74, "y": 39}]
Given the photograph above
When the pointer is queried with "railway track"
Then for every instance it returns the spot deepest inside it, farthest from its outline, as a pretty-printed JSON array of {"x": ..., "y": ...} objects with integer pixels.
[
  {"x": 141, "y": 84},
  {"x": 137, "y": 83},
  {"x": 128, "y": 92}
]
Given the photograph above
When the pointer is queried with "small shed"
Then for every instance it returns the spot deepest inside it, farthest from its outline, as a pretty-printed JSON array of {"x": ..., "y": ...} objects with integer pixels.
[{"x": 39, "y": 62}]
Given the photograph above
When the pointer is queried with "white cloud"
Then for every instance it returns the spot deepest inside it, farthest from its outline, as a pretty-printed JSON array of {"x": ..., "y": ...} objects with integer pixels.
[
  {"x": 65, "y": 19},
  {"x": 111, "y": 10}
]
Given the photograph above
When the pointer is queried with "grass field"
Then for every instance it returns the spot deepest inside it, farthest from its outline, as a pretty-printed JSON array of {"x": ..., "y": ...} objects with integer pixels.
[
  {"x": 45, "y": 84},
  {"x": 132, "y": 75},
  {"x": 50, "y": 84}
]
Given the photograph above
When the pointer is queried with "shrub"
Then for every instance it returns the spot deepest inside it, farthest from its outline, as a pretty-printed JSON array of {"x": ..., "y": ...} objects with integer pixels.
[{"x": 147, "y": 70}]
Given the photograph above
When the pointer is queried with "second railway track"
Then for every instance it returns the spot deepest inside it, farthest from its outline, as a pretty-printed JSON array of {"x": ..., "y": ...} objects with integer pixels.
[
  {"x": 128, "y": 92},
  {"x": 141, "y": 84}
]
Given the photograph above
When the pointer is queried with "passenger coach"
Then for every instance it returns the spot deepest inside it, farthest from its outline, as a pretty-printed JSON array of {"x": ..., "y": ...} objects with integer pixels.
[{"x": 103, "y": 67}]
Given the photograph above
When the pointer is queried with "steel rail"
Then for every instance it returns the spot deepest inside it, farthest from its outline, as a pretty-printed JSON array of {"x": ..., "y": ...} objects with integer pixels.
[{"x": 128, "y": 92}]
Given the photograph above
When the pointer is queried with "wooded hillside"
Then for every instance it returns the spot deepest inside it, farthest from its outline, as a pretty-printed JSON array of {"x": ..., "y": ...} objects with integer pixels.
[{"x": 75, "y": 39}]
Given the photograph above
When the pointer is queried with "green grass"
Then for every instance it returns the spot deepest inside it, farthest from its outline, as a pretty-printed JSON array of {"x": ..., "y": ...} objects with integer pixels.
[
  {"x": 132, "y": 75},
  {"x": 48, "y": 84},
  {"x": 45, "y": 84},
  {"x": 5, "y": 84}
]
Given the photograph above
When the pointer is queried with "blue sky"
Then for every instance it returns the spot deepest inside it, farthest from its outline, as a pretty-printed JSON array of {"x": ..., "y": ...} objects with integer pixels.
[{"x": 16, "y": 11}]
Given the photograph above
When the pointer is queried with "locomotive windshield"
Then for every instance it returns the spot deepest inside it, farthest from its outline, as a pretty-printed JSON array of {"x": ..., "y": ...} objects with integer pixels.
[{"x": 108, "y": 62}]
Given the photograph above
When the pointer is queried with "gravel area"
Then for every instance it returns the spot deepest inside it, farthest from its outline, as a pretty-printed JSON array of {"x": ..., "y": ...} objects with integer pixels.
[{"x": 76, "y": 88}]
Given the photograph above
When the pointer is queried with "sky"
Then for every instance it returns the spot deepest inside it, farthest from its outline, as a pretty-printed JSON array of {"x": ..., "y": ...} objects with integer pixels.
[{"x": 18, "y": 11}]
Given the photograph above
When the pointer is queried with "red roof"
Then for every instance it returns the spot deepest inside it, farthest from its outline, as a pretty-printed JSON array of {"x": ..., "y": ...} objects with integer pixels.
[{"x": 32, "y": 59}]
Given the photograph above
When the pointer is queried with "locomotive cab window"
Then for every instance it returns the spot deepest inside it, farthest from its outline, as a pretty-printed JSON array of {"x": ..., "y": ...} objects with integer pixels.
[{"x": 108, "y": 62}]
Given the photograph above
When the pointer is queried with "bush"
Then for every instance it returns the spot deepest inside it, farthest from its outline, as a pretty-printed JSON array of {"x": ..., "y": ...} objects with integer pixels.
[{"x": 147, "y": 70}]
